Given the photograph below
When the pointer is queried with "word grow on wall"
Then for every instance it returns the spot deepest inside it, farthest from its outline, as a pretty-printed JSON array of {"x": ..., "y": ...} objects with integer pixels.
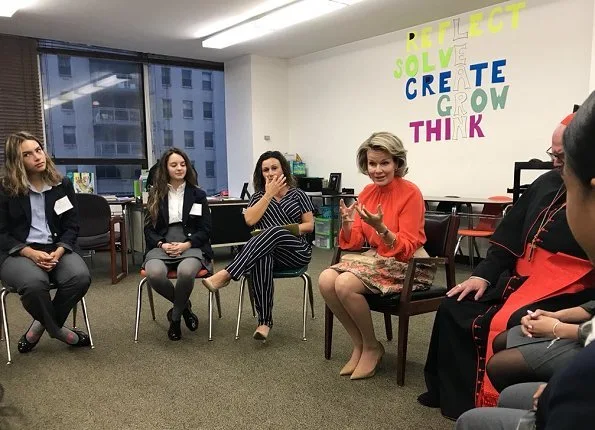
[{"x": 464, "y": 89}]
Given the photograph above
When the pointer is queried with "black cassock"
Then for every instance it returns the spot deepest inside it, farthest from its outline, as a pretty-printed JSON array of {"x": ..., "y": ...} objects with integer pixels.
[{"x": 455, "y": 364}]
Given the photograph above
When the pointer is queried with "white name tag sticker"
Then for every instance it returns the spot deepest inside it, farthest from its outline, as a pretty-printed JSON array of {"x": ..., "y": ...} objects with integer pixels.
[
  {"x": 196, "y": 209},
  {"x": 62, "y": 205}
]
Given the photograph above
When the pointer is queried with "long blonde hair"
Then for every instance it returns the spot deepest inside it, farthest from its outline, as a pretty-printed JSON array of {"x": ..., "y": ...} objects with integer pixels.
[
  {"x": 160, "y": 190},
  {"x": 14, "y": 179}
]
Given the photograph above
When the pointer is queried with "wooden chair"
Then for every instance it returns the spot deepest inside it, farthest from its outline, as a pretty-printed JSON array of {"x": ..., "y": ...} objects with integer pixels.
[
  {"x": 172, "y": 274},
  {"x": 97, "y": 232},
  {"x": 441, "y": 232}
]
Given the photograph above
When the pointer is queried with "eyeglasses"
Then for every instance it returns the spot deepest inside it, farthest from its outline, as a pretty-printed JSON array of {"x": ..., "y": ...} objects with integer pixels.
[{"x": 555, "y": 156}]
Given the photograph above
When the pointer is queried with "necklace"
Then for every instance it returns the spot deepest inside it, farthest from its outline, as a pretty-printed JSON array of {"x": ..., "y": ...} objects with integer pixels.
[{"x": 547, "y": 217}]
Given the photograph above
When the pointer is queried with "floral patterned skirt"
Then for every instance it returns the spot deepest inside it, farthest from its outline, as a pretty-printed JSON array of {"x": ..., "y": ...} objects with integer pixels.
[{"x": 382, "y": 275}]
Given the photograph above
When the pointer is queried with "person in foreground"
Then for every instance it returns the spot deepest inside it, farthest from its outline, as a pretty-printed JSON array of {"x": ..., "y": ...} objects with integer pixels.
[
  {"x": 567, "y": 400},
  {"x": 38, "y": 231},
  {"x": 177, "y": 233},
  {"x": 533, "y": 263},
  {"x": 282, "y": 215},
  {"x": 389, "y": 215}
]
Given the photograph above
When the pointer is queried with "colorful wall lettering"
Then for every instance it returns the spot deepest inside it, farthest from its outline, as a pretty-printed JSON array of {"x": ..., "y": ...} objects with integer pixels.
[{"x": 465, "y": 89}]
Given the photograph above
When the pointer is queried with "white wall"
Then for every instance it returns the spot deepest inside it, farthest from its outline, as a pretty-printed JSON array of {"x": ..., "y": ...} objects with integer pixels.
[
  {"x": 256, "y": 106},
  {"x": 338, "y": 97},
  {"x": 269, "y": 104},
  {"x": 238, "y": 120}
]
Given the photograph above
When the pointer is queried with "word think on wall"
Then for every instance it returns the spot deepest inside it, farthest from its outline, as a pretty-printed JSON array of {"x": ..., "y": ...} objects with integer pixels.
[{"x": 464, "y": 88}]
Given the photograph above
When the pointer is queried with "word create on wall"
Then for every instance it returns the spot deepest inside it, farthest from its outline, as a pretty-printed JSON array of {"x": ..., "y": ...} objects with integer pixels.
[{"x": 464, "y": 89}]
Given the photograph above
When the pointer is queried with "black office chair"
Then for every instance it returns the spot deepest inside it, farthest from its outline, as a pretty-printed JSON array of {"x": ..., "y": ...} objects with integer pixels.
[{"x": 97, "y": 232}]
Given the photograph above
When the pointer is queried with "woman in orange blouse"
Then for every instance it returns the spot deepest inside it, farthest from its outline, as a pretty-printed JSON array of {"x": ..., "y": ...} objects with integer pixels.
[{"x": 389, "y": 216}]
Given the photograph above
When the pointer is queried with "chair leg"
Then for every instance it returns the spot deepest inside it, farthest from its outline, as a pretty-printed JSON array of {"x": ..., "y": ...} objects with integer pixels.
[
  {"x": 476, "y": 248},
  {"x": 218, "y": 301},
  {"x": 139, "y": 296},
  {"x": 471, "y": 251},
  {"x": 402, "y": 349},
  {"x": 151, "y": 302},
  {"x": 305, "y": 308},
  {"x": 458, "y": 247},
  {"x": 388, "y": 326},
  {"x": 211, "y": 295},
  {"x": 3, "y": 295},
  {"x": 86, "y": 318},
  {"x": 328, "y": 332},
  {"x": 240, "y": 303},
  {"x": 310, "y": 293},
  {"x": 74, "y": 310}
]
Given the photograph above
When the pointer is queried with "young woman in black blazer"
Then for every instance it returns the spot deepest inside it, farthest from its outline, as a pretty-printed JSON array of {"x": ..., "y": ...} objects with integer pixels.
[
  {"x": 177, "y": 233},
  {"x": 38, "y": 232}
]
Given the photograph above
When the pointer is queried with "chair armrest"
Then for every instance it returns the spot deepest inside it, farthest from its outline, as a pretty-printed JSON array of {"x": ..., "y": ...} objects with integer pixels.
[
  {"x": 115, "y": 219},
  {"x": 410, "y": 275},
  {"x": 429, "y": 260}
]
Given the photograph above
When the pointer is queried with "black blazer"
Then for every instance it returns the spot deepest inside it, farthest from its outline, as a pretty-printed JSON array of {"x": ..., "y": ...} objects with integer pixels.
[
  {"x": 15, "y": 220},
  {"x": 197, "y": 229}
]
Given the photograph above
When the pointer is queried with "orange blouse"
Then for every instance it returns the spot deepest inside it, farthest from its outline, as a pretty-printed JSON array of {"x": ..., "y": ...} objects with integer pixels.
[{"x": 404, "y": 210}]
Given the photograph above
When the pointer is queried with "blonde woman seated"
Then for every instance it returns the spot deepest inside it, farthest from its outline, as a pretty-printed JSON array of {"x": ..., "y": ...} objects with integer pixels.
[{"x": 389, "y": 216}]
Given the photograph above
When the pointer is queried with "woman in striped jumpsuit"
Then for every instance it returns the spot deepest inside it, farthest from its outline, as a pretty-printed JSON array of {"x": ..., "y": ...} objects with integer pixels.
[{"x": 283, "y": 214}]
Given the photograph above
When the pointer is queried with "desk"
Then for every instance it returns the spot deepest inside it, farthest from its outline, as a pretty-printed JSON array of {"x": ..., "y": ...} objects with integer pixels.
[{"x": 228, "y": 227}]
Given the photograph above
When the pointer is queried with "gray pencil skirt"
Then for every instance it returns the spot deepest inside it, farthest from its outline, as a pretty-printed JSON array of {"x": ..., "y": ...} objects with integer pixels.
[
  {"x": 176, "y": 234},
  {"x": 543, "y": 360}
]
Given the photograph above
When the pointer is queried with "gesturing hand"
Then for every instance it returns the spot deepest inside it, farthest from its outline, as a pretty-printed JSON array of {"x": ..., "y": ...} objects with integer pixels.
[
  {"x": 347, "y": 212},
  {"x": 373, "y": 220},
  {"x": 274, "y": 185},
  {"x": 468, "y": 286}
]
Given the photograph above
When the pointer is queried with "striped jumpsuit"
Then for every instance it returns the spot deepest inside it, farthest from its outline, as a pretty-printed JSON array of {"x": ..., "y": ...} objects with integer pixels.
[{"x": 274, "y": 248}]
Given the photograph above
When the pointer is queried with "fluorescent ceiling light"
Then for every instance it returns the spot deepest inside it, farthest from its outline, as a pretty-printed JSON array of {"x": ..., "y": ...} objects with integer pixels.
[
  {"x": 292, "y": 14},
  {"x": 9, "y": 7},
  {"x": 231, "y": 21}
]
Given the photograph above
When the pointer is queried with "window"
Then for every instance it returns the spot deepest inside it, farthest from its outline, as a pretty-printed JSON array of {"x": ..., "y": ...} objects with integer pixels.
[
  {"x": 187, "y": 109},
  {"x": 167, "y": 110},
  {"x": 187, "y": 78},
  {"x": 64, "y": 66},
  {"x": 206, "y": 81},
  {"x": 210, "y": 169},
  {"x": 69, "y": 134},
  {"x": 202, "y": 139},
  {"x": 105, "y": 134},
  {"x": 207, "y": 110},
  {"x": 165, "y": 76},
  {"x": 189, "y": 138},
  {"x": 209, "y": 143},
  {"x": 66, "y": 101},
  {"x": 168, "y": 138}
]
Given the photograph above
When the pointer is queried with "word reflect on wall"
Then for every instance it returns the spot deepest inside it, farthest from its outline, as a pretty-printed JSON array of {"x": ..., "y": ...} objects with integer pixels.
[{"x": 464, "y": 89}]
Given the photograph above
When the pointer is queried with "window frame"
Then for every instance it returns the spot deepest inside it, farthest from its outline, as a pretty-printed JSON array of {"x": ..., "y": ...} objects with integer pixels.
[
  {"x": 204, "y": 111},
  {"x": 185, "y": 109},
  {"x": 142, "y": 59}
]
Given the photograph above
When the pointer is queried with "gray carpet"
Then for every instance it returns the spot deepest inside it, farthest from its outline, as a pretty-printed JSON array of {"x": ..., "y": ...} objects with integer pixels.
[{"x": 284, "y": 383}]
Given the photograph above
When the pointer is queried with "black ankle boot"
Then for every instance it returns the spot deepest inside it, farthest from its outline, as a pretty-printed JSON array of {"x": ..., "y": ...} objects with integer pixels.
[{"x": 175, "y": 331}]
